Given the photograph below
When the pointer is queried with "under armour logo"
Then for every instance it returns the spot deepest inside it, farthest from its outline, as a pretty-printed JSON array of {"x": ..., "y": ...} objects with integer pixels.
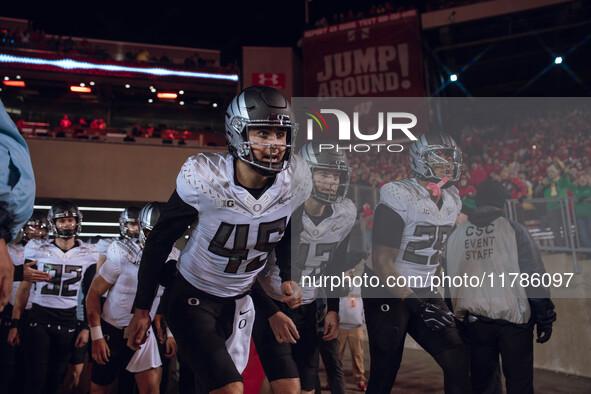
[{"x": 268, "y": 79}]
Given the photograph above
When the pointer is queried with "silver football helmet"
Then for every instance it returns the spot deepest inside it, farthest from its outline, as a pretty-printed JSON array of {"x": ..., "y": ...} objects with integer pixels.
[
  {"x": 436, "y": 149},
  {"x": 259, "y": 106},
  {"x": 148, "y": 217},
  {"x": 36, "y": 227},
  {"x": 320, "y": 157},
  {"x": 129, "y": 215},
  {"x": 64, "y": 209}
]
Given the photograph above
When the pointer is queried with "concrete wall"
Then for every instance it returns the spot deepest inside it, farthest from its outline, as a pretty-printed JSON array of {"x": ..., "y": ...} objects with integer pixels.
[
  {"x": 81, "y": 170},
  {"x": 569, "y": 349}
]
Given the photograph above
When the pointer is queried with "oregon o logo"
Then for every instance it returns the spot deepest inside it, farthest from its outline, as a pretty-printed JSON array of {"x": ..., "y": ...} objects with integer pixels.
[{"x": 242, "y": 324}]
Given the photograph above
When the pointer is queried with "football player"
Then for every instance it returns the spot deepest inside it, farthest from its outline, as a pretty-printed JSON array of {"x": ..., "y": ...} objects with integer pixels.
[
  {"x": 243, "y": 201},
  {"x": 118, "y": 275},
  {"x": 327, "y": 218},
  {"x": 128, "y": 229},
  {"x": 412, "y": 222},
  {"x": 35, "y": 228},
  {"x": 51, "y": 325}
]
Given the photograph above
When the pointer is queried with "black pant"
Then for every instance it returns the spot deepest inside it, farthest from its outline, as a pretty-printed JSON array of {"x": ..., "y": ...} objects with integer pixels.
[
  {"x": 330, "y": 353},
  {"x": 12, "y": 362},
  {"x": 47, "y": 350},
  {"x": 515, "y": 345},
  {"x": 388, "y": 321},
  {"x": 120, "y": 355},
  {"x": 284, "y": 360},
  {"x": 201, "y": 324}
]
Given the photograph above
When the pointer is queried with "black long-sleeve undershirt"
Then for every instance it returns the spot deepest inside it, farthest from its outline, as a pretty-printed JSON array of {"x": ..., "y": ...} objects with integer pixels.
[{"x": 174, "y": 220}]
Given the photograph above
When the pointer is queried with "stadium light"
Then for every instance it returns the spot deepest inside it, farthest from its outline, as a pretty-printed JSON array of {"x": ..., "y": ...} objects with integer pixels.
[
  {"x": 18, "y": 84},
  {"x": 70, "y": 64},
  {"x": 167, "y": 95},
  {"x": 80, "y": 89},
  {"x": 558, "y": 60},
  {"x": 453, "y": 77}
]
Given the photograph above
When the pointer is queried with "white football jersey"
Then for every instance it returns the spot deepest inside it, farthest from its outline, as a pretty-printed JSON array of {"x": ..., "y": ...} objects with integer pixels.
[
  {"x": 104, "y": 243},
  {"x": 17, "y": 255},
  {"x": 426, "y": 227},
  {"x": 66, "y": 270},
  {"x": 235, "y": 232},
  {"x": 121, "y": 270},
  {"x": 318, "y": 245}
]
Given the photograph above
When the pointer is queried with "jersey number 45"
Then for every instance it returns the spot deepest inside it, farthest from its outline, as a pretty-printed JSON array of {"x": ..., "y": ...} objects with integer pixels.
[{"x": 239, "y": 251}]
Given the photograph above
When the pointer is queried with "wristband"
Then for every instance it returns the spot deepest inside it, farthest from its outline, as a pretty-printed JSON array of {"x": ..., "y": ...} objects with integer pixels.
[
  {"x": 169, "y": 333},
  {"x": 96, "y": 333},
  {"x": 14, "y": 323}
]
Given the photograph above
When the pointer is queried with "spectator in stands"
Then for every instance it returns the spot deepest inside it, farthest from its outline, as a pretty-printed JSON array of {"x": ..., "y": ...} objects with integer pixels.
[
  {"x": 582, "y": 193},
  {"x": 477, "y": 174},
  {"x": 558, "y": 186},
  {"x": 102, "y": 125},
  {"x": 465, "y": 188},
  {"x": 94, "y": 124},
  {"x": 367, "y": 226},
  {"x": 65, "y": 123},
  {"x": 143, "y": 55},
  {"x": 82, "y": 122}
]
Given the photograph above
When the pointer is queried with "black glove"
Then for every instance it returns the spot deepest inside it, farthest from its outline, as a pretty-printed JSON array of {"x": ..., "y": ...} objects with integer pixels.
[
  {"x": 436, "y": 318},
  {"x": 544, "y": 332},
  {"x": 543, "y": 316}
]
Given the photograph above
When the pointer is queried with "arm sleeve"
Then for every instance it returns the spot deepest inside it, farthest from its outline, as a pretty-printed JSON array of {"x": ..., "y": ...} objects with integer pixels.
[
  {"x": 19, "y": 274},
  {"x": 287, "y": 250},
  {"x": 388, "y": 227},
  {"x": 84, "y": 287},
  {"x": 332, "y": 304},
  {"x": 263, "y": 302},
  {"x": 173, "y": 222}
]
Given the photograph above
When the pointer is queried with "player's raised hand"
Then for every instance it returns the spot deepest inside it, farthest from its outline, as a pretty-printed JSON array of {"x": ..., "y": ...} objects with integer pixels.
[
  {"x": 331, "y": 326},
  {"x": 283, "y": 328},
  {"x": 292, "y": 294},
  {"x": 33, "y": 275},
  {"x": 138, "y": 328}
]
